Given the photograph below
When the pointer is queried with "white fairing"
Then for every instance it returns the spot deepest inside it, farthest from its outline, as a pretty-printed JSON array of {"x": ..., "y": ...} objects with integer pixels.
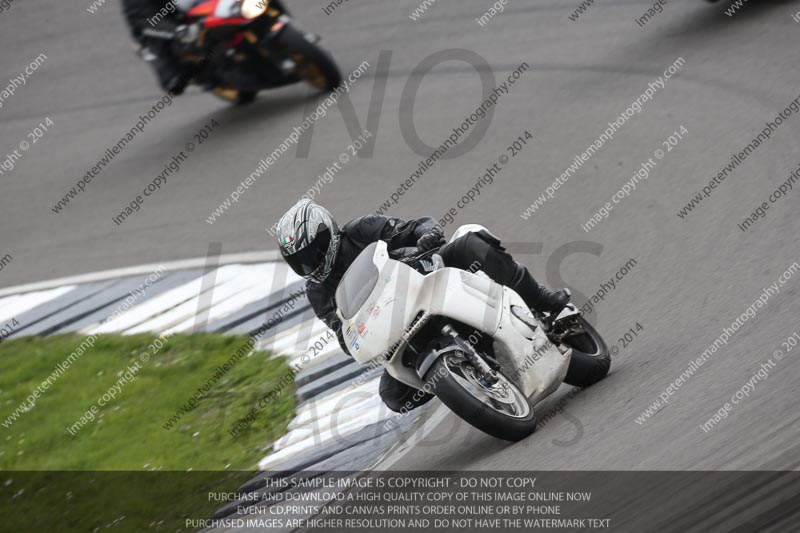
[
  {"x": 401, "y": 293},
  {"x": 227, "y": 8},
  {"x": 223, "y": 9},
  {"x": 185, "y": 5}
]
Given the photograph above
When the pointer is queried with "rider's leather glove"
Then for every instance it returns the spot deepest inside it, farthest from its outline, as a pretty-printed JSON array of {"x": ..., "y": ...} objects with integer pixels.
[{"x": 433, "y": 238}]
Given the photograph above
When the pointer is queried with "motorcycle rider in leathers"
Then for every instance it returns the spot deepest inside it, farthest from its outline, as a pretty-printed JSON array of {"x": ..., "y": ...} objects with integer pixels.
[
  {"x": 316, "y": 248},
  {"x": 156, "y": 40}
]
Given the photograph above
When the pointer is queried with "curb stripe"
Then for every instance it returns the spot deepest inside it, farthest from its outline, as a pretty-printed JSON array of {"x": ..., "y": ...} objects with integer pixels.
[{"x": 181, "y": 264}]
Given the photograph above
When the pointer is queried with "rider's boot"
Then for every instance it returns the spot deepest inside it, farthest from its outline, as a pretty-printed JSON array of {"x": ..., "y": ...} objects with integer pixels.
[
  {"x": 537, "y": 296},
  {"x": 172, "y": 76}
]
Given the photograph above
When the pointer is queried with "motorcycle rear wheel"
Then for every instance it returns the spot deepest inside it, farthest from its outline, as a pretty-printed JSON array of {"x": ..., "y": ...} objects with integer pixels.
[
  {"x": 590, "y": 357},
  {"x": 502, "y": 410}
]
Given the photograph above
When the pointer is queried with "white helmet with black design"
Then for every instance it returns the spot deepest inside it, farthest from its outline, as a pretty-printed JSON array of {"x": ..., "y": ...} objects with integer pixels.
[{"x": 308, "y": 238}]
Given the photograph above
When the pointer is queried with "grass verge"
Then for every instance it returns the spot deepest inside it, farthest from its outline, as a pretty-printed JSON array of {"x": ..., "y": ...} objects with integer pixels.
[{"x": 126, "y": 433}]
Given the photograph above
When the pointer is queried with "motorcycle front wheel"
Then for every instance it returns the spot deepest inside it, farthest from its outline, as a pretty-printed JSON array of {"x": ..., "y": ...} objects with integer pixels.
[
  {"x": 314, "y": 65},
  {"x": 501, "y": 410},
  {"x": 234, "y": 96}
]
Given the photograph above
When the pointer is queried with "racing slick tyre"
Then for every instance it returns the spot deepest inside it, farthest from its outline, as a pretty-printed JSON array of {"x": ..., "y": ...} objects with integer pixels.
[
  {"x": 500, "y": 410},
  {"x": 314, "y": 65},
  {"x": 234, "y": 96},
  {"x": 590, "y": 357}
]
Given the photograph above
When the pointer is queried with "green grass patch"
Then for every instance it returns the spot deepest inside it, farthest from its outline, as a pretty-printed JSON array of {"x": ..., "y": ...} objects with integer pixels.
[{"x": 128, "y": 432}]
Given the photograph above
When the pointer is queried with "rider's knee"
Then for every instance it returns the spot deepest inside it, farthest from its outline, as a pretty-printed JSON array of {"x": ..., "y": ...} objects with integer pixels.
[{"x": 468, "y": 249}]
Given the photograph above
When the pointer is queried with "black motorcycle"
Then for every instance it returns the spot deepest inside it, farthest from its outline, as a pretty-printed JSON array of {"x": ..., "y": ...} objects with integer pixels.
[{"x": 235, "y": 48}]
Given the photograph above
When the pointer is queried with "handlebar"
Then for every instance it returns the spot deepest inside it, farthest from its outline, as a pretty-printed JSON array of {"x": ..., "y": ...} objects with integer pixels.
[{"x": 411, "y": 255}]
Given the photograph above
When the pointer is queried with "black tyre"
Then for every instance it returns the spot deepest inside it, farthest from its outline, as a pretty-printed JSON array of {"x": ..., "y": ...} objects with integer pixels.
[
  {"x": 245, "y": 97},
  {"x": 590, "y": 358},
  {"x": 501, "y": 410},
  {"x": 234, "y": 96},
  {"x": 314, "y": 65}
]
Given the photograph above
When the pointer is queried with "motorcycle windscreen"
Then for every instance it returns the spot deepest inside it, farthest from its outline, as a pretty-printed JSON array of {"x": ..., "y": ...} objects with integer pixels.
[
  {"x": 227, "y": 9},
  {"x": 357, "y": 283},
  {"x": 186, "y": 5}
]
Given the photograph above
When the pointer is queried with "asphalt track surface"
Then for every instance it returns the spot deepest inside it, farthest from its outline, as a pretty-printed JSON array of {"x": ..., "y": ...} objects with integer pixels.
[{"x": 693, "y": 276}]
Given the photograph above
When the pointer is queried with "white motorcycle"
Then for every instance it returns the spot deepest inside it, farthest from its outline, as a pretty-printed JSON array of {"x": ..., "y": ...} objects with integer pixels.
[{"x": 472, "y": 342}]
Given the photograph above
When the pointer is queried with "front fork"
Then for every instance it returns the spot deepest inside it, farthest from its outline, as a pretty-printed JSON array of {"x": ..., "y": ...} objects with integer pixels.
[
  {"x": 266, "y": 48},
  {"x": 488, "y": 373}
]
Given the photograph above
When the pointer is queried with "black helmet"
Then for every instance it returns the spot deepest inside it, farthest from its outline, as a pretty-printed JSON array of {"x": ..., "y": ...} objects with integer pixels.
[{"x": 308, "y": 238}]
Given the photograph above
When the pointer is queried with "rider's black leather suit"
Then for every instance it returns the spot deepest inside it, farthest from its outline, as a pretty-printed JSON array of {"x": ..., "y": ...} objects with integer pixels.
[{"x": 137, "y": 14}]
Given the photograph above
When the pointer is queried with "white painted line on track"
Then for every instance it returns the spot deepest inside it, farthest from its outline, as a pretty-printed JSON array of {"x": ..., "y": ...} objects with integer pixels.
[
  {"x": 227, "y": 307},
  {"x": 266, "y": 256},
  {"x": 324, "y": 406},
  {"x": 238, "y": 282},
  {"x": 334, "y": 419},
  {"x": 161, "y": 303},
  {"x": 290, "y": 341},
  {"x": 322, "y": 438},
  {"x": 15, "y": 306},
  {"x": 331, "y": 349}
]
